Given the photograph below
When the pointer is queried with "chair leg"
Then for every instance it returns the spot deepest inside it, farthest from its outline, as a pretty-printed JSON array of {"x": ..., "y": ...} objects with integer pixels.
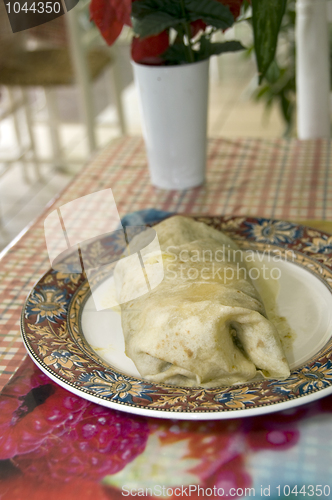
[
  {"x": 18, "y": 133},
  {"x": 82, "y": 77},
  {"x": 28, "y": 117},
  {"x": 116, "y": 87},
  {"x": 53, "y": 121},
  {"x": 87, "y": 106}
]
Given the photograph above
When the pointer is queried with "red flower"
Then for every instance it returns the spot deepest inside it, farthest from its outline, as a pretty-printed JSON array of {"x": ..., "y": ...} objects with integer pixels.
[
  {"x": 31, "y": 408},
  {"x": 234, "y": 6},
  {"x": 213, "y": 443},
  {"x": 147, "y": 50},
  {"x": 19, "y": 487},
  {"x": 197, "y": 26},
  {"x": 110, "y": 16},
  {"x": 47, "y": 432},
  {"x": 279, "y": 431},
  {"x": 102, "y": 442},
  {"x": 233, "y": 474}
]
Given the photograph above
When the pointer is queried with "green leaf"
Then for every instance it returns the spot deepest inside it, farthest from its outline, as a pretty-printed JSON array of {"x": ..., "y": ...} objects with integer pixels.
[
  {"x": 208, "y": 49},
  {"x": 144, "y": 7},
  {"x": 262, "y": 92},
  {"x": 286, "y": 107},
  {"x": 153, "y": 24},
  {"x": 220, "y": 47},
  {"x": 273, "y": 72},
  {"x": 212, "y": 12},
  {"x": 175, "y": 54},
  {"x": 267, "y": 16},
  {"x": 151, "y": 17}
]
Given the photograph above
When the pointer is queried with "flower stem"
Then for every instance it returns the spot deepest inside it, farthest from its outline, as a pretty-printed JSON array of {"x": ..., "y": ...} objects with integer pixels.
[{"x": 186, "y": 25}]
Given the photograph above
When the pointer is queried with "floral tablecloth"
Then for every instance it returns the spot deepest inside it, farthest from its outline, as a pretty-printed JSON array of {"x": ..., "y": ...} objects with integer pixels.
[{"x": 54, "y": 444}]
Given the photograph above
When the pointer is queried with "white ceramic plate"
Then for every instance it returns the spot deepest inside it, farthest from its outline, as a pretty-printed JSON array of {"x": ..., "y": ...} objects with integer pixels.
[
  {"x": 83, "y": 349},
  {"x": 303, "y": 299}
]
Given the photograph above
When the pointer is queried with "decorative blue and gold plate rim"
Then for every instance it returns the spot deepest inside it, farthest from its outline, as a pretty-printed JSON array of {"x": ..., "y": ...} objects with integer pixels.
[{"x": 51, "y": 333}]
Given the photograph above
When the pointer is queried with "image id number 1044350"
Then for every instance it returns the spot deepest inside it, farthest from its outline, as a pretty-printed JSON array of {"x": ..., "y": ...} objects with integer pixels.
[
  {"x": 35, "y": 7},
  {"x": 307, "y": 490}
]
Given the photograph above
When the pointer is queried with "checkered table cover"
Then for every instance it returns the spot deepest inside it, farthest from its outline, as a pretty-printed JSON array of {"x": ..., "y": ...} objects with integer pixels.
[{"x": 283, "y": 179}]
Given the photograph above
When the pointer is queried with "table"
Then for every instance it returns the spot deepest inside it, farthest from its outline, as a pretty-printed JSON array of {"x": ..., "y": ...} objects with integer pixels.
[{"x": 286, "y": 179}]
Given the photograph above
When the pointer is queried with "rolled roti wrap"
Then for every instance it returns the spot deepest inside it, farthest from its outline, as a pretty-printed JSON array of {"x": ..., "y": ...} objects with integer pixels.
[{"x": 204, "y": 324}]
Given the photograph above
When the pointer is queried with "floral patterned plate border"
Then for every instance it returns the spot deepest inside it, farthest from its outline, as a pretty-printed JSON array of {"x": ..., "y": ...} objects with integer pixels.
[{"x": 51, "y": 333}]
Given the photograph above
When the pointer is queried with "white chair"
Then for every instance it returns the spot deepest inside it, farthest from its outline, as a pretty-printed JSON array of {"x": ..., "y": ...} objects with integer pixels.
[
  {"x": 78, "y": 62},
  {"x": 25, "y": 153},
  {"x": 12, "y": 103}
]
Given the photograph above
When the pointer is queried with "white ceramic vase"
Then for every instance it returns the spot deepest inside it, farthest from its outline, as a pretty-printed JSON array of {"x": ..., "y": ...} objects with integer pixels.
[{"x": 174, "y": 104}]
